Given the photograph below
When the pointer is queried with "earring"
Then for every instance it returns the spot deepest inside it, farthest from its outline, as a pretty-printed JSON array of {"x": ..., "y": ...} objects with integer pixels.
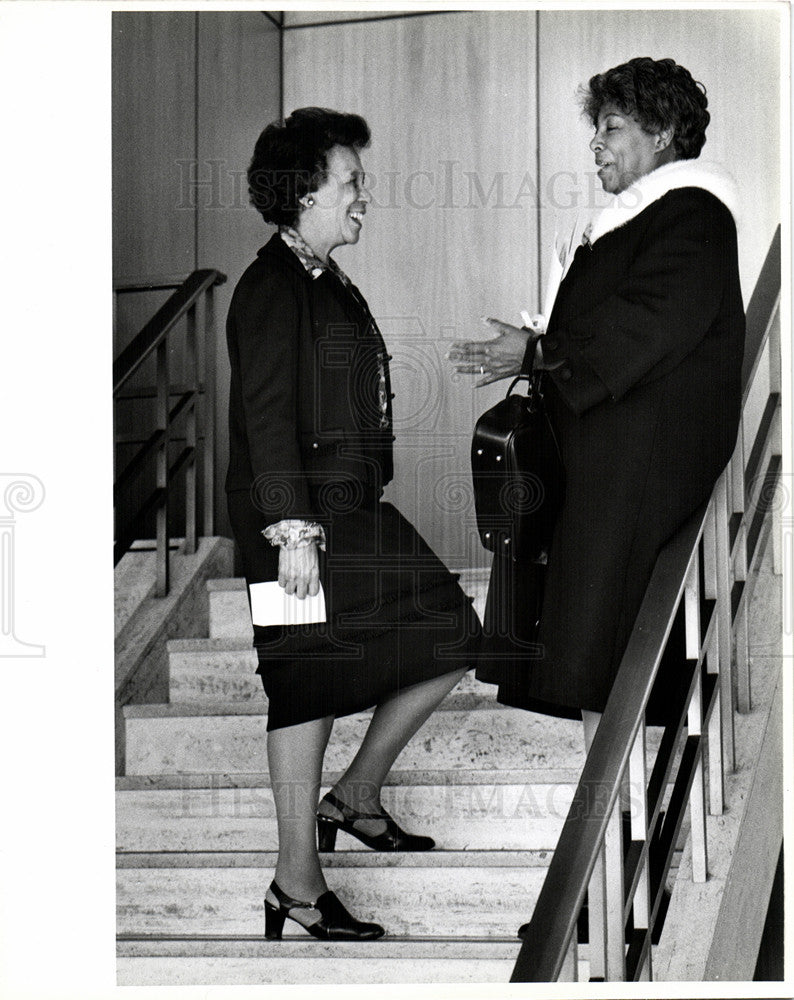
[{"x": 309, "y": 202}]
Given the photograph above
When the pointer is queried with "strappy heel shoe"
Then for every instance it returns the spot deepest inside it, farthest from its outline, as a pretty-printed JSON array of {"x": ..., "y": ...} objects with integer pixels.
[
  {"x": 391, "y": 839},
  {"x": 334, "y": 924}
]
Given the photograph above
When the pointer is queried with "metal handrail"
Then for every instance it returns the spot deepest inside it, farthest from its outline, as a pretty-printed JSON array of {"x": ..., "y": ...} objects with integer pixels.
[
  {"x": 196, "y": 289},
  {"x": 547, "y": 941},
  {"x": 163, "y": 321}
]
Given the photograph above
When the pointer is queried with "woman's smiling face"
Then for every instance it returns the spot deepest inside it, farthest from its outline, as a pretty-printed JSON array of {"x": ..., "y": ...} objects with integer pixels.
[
  {"x": 335, "y": 211},
  {"x": 624, "y": 151}
]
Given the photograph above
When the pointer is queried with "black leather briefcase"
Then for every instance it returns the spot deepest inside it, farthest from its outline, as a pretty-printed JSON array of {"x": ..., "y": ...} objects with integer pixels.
[{"x": 519, "y": 479}]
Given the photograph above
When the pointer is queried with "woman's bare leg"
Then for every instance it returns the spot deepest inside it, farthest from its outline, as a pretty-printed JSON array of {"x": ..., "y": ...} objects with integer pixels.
[
  {"x": 394, "y": 722},
  {"x": 295, "y": 759}
]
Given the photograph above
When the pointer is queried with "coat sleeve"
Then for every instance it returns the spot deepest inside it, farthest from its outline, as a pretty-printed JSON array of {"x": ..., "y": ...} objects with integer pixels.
[
  {"x": 268, "y": 317},
  {"x": 663, "y": 307}
]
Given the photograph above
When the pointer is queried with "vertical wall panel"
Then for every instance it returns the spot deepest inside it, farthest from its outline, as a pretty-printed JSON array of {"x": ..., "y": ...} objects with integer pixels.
[
  {"x": 191, "y": 92},
  {"x": 451, "y": 235},
  {"x": 153, "y": 130},
  {"x": 238, "y": 94},
  {"x": 734, "y": 53}
]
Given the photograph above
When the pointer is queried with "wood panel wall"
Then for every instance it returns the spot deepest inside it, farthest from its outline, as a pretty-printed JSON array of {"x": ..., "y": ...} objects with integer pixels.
[
  {"x": 191, "y": 92},
  {"x": 450, "y": 236},
  {"x": 154, "y": 129},
  {"x": 462, "y": 103}
]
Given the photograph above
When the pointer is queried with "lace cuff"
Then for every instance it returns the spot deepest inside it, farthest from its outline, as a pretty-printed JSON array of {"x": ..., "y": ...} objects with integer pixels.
[{"x": 294, "y": 534}]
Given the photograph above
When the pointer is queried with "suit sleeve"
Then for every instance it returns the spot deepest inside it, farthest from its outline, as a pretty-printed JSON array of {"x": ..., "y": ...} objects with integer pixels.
[
  {"x": 268, "y": 320},
  {"x": 664, "y": 306}
]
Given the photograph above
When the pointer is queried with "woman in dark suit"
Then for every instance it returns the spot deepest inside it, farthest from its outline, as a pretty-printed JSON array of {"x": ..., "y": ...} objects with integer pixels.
[
  {"x": 310, "y": 452},
  {"x": 643, "y": 350}
]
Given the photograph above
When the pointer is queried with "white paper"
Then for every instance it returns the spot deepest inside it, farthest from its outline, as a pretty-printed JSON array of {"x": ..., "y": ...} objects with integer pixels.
[{"x": 272, "y": 605}]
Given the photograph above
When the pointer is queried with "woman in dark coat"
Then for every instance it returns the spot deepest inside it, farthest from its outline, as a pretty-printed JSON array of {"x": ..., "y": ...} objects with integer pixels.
[
  {"x": 383, "y": 621},
  {"x": 643, "y": 351}
]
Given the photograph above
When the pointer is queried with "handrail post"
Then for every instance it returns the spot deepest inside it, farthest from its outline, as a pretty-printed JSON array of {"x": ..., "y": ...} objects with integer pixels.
[
  {"x": 775, "y": 385},
  {"x": 741, "y": 639},
  {"x": 697, "y": 795},
  {"x": 722, "y": 510},
  {"x": 191, "y": 359},
  {"x": 615, "y": 892},
  {"x": 596, "y": 890},
  {"x": 209, "y": 412},
  {"x": 713, "y": 656},
  {"x": 163, "y": 424},
  {"x": 638, "y": 783}
]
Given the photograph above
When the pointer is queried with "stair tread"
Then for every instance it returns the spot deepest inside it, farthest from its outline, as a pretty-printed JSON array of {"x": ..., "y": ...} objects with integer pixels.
[
  {"x": 171, "y": 710},
  {"x": 260, "y": 779},
  {"x": 230, "y": 644},
  {"x": 227, "y": 583},
  {"x": 339, "y": 859},
  {"x": 299, "y": 946}
]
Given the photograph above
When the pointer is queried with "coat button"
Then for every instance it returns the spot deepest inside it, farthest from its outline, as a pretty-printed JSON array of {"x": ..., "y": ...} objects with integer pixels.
[
  {"x": 566, "y": 374},
  {"x": 549, "y": 345},
  {"x": 315, "y": 445}
]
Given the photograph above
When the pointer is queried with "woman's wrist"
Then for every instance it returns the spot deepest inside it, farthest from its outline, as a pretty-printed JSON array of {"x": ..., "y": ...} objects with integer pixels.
[{"x": 292, "y": 533}]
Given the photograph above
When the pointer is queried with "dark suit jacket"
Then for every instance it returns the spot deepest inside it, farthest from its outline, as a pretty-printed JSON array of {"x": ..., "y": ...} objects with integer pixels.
[
  {"x": 303, "y": 408},
  {"x": 649, "y": 320}
]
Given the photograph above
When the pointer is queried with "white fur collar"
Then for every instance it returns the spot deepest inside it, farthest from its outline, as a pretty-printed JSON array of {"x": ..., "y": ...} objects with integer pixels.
[{"x": 651, "y": 187}]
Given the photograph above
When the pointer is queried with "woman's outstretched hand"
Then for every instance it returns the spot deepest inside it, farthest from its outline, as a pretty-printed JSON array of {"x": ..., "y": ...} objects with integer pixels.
[
  {"x": 299, "y": 570},
  {"x": 493, "y": 359}
]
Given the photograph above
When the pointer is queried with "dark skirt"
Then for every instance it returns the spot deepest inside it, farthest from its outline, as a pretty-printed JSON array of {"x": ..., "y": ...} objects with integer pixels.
[{"x": 395, "y": 616}]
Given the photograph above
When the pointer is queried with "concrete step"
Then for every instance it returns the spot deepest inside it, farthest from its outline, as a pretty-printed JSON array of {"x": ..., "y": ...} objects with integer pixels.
[
  {"x": 229, "y": 616},
  {"x": 253, "y": 961},
  {"x": 434, "y": 893},
  {"x": 202, "y": 671},
  {"x": 231, "y": 738},
  {"x": 459, "y": 817}
]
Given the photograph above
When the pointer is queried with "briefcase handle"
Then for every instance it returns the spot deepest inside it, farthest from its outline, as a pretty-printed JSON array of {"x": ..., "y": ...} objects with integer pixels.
[{"x": 534, "y": 379}]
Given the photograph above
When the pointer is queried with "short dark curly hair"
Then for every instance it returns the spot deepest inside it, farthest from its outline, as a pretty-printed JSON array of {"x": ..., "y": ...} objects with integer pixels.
[
  {"x": 290, "y": 159},
  {"x": 660, "y": 94}
]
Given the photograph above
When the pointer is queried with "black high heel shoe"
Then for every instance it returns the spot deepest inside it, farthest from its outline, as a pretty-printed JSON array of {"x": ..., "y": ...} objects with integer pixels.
[
  {"x": 335, "y": 923},
  {"x": 392, "y": 838}
]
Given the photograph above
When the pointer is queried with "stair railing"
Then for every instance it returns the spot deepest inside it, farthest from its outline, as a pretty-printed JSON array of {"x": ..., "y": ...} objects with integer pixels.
[
  {"x": 196, "y": 291},
  {"x": 702, "y": 575}
]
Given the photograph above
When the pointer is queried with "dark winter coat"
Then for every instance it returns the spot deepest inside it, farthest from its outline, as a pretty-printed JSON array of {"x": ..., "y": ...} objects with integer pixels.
[{"x": 650, "y": 324}]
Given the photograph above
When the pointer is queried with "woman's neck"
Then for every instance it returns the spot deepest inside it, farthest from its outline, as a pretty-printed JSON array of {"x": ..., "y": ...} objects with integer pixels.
[{"x": 320, "y": 250}]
